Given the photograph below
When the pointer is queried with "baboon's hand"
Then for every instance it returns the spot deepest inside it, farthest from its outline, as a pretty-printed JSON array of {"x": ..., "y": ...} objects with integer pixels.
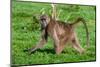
[{"x": 29, "y": 51}]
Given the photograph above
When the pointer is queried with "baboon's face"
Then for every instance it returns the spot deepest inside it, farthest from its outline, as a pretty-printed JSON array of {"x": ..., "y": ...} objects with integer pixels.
[{"x": 44, "y": 20}]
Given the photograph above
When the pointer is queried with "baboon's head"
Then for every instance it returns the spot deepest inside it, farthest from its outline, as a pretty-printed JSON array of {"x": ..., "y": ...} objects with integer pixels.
[{"x": 44, "y": 20}]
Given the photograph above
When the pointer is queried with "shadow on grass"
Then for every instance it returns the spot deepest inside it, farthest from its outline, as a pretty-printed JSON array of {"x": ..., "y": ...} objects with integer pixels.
[
  {"x": 46, "y": 50},
  {"x": 49, "y": 51},
  {"x": 52, "y": 51}
]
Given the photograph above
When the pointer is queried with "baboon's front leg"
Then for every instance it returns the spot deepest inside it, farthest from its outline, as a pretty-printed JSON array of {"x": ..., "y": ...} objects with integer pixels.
[{"x": 38, "y": 46}]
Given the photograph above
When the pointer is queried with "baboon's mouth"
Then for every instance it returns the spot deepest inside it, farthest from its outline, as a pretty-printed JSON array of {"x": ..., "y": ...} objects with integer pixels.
[{"x": 43, "y": 24}]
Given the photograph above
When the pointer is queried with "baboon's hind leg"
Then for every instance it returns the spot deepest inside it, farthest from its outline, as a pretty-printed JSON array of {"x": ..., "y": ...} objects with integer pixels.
[
  {"x": 76, "y": 45},
  {"x": 59, "y": 47}
]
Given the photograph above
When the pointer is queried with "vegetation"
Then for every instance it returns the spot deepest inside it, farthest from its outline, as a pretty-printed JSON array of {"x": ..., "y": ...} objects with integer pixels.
[{"x": 26, "y": 33}]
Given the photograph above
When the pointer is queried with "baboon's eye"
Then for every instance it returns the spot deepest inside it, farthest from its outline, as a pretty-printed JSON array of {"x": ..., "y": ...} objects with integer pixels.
[{"x": 43, "y": 19}]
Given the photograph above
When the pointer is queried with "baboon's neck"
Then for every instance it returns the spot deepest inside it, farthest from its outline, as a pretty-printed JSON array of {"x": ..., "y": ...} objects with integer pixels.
[{"x": 51, "y": 24}]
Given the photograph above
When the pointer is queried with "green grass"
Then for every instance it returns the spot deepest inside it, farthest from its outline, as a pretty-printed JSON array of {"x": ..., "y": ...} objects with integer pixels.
[{"x": 26, "y": 33}]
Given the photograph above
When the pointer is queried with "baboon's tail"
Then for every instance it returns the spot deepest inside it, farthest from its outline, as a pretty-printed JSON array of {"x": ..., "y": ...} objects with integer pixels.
[{"x": 87, "y": 33}]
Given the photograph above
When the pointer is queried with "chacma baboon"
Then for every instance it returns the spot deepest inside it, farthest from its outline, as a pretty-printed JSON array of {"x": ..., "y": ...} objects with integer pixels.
[{"x": 61, "y": 33}]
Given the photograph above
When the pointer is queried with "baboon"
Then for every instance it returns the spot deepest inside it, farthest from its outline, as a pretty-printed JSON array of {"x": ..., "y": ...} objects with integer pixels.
[{"x": 61, "y": 33}]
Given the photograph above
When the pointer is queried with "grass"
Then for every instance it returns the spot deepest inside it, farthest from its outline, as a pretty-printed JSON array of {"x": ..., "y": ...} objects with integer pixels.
[{"x": 25, "y": 34}]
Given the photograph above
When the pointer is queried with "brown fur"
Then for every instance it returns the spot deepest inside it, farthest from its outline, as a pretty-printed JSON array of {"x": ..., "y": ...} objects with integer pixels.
[{"x": 61, "y": 33}]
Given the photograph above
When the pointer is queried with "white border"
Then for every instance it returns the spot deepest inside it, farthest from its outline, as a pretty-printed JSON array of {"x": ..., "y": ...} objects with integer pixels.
[
  {"x": 85, "y": 2},
  {"x": 5, "y": 33}
]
